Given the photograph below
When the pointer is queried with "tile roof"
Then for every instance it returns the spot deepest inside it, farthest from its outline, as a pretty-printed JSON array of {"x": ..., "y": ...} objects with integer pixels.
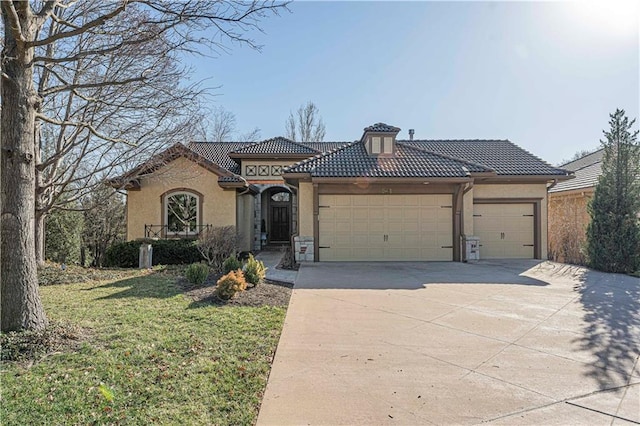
[
  {"x": 218, "y": 152},
  {"x": 234, "y": 178},
  {"x": 277, "y": 145},
  {"x": 382, "y": 127},
  {"x": 352, "y": 160},
  {"x": 325, "y": 146},
  {"x": 503, "y": 156},
  {"x": 587, "y": 169}
]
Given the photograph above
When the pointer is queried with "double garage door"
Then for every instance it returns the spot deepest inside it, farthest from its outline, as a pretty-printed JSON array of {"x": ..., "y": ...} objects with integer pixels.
[
  {"x": 385, "y": 227},
  {"x": 417, "y": 228},
  {"x": 505, "y": 230}
]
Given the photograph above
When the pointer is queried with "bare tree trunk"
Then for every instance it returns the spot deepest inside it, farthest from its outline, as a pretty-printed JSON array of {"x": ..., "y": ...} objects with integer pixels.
[{"x": 21, "y": 305}]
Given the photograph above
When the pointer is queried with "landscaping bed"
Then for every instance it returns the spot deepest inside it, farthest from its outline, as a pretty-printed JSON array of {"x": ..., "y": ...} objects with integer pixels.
[
  {"x": 144, "y": 349},
  {"x": 267, "y": 293}
]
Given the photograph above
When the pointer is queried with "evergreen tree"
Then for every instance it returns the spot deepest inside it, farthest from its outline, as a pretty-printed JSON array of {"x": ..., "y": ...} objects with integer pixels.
[
  {"x": 613, "y": 236},
  {"x": 63, "y": 236}
]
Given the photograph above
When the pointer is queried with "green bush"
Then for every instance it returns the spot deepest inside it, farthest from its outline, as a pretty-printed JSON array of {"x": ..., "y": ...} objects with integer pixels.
[
  {"x": 254, "y": 270},
  {"x": 229, "y": 285},
  {"x": 123, "y": 255},
  {"x": 165, "y": 252},
  {"x": 231, "y": 263},
  {"x": 197, "y": 273}
]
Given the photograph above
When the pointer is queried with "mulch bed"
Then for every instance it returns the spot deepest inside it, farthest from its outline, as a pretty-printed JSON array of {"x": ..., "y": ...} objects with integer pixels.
[{"x": 267, "y": 293}]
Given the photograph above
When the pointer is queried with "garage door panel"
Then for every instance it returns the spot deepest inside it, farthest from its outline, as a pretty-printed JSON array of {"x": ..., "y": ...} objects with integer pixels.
[
  {"x": 416, "y": 227},
  {"x": 505, "y": 230}
]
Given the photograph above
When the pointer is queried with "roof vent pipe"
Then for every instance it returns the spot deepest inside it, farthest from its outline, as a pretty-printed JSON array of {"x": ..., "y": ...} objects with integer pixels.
[{"x": 411, "y": 132}]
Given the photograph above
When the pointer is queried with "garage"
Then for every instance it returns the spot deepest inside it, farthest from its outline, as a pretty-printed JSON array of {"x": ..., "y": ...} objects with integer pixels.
[
  {"x": 391, "y": 227},
  {"x": 505, "y": 230}
]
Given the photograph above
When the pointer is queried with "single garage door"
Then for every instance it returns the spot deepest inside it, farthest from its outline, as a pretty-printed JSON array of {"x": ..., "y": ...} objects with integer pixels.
[
  {"x": 505, "y": 230},
  {"x": 385, "y": 227}
]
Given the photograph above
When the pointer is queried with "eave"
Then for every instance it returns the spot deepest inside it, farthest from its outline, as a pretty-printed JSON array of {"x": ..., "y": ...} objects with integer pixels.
[{"x": 523, "y": 178}]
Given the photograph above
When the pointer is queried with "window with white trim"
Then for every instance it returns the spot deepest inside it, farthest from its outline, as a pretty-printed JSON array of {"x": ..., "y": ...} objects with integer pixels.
[{"x": 181, "y": 212}]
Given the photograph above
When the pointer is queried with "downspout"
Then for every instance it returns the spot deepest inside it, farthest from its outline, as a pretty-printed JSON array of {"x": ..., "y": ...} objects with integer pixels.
[
  {"x": 555, "y": 182},
  {"x": 468, "y": 188}
]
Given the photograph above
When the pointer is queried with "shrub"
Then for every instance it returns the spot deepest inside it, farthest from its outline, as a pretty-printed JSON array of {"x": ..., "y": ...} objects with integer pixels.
[
  {"x": 231, "y": 263},
  {"x": 254, "y": 270},
  {"x": 165, "y": 252},
  {"x": 229, "y": 285},
  {"x": 197, "y": 273},
  {"x": 216, "y": 244}
]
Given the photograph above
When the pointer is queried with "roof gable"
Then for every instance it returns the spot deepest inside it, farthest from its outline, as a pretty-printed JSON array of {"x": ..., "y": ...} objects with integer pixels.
[
  {"x": 277, "y": 146},
  {"x": 130, "y": 180},
  {"x": 352, "y": 161}
]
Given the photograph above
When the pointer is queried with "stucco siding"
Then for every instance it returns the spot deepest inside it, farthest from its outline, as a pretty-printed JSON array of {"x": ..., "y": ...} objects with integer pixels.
[
  {"x": 245, "y": 221},
  {"x": 467, "y": 212},
  {"x": 145, "y": 206},
  {"x": 305, "y": 209}
]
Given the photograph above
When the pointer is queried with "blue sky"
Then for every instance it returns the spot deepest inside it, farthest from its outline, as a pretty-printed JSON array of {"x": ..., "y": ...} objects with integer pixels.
[{"x": 544, "y": 75}]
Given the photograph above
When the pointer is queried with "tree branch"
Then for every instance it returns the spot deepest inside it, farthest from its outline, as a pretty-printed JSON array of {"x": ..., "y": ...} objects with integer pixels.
[{"x": 79, "y": 30}]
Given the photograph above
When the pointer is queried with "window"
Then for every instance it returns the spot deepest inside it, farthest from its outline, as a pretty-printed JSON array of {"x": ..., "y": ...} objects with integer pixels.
[
  {"x": 280, "y": 197},
  {"x": 375, "y": 145},
  {"x": 181, "y": 213},
  {"x": 263, "y": 170},
  {"x": 388, "y": 145},
  {"x": 250, "y": 170}
]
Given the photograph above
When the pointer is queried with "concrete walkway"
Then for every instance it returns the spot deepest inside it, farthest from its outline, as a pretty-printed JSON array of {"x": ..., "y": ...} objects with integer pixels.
[
  {"x": 271, "y": 259},
  {"x": 513, "y": 342}
]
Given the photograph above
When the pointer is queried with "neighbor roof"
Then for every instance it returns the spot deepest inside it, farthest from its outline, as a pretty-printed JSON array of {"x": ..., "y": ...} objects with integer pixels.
[
  {"x": 503, "y": 156},
  {"x": 352, "y": 160},
  {"x": 587, "y": 170}
]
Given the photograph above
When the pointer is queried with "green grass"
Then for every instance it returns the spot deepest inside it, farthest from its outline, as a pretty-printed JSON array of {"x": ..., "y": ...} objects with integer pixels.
[{"x": 152, "y": 357}]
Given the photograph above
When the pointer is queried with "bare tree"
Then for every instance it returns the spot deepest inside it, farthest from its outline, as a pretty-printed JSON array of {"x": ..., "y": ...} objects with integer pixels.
[
  {"x": 223, "y": 124},
  {"x": 577, "y": 155},
  {"x": 61, "y": 64},
  {"x": 306, "y": 125},
  {"x": 223, "y": 127},
  {"x": 126, "y": 104},
  {"x": 251, "y": 136}
]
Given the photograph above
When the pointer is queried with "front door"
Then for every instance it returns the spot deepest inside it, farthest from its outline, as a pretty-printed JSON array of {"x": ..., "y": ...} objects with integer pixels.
[{"x": 279, "y": 224}]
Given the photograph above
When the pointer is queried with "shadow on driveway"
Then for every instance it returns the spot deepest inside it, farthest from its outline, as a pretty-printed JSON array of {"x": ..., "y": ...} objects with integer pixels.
[
  {"x": 612, "y": 332},
  {"x": 413, "y": 275}
]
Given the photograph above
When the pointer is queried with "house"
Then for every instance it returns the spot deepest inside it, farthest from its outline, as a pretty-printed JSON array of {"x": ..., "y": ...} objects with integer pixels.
[
  {"x": 568, "y": 209},
  {"x": 376, "y": 198}
]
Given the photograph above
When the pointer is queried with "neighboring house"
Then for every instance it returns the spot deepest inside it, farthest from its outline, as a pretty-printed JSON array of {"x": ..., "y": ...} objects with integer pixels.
[
  {"x": 568, "y": 209},
  {"x": 377, "y": 198}
]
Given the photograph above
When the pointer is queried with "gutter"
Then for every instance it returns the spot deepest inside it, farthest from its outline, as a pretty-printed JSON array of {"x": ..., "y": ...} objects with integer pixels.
[{"x": 468, "y": 187}]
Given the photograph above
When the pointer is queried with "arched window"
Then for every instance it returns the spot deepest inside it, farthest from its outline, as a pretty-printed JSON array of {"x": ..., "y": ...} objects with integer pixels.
[
  {"x": 181, "y": 213},
  {"x": 280, "y": 197}
]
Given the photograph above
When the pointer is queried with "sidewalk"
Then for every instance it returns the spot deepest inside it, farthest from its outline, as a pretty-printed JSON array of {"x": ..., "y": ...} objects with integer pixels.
[{"x": 271, "y": 259}]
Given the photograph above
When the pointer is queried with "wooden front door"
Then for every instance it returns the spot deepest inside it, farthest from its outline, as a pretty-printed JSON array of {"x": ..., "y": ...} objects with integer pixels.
[{"x": 279, "y": 224}]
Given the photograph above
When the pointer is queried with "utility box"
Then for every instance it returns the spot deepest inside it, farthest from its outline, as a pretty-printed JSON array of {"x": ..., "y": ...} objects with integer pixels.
[
  {"x": 146, "y": 256},
  {"x": 472, "y": 248}
]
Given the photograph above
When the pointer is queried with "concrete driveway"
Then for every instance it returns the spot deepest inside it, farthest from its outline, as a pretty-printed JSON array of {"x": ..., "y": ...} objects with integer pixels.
[{"x": 508, "y": 342}]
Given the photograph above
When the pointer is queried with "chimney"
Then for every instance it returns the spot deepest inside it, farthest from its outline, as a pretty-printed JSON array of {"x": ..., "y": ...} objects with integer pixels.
[{"x": 411, "y": 132}]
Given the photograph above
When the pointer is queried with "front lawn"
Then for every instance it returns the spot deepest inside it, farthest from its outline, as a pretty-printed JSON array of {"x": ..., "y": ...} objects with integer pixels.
[{"x": 147, "y": 354}]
